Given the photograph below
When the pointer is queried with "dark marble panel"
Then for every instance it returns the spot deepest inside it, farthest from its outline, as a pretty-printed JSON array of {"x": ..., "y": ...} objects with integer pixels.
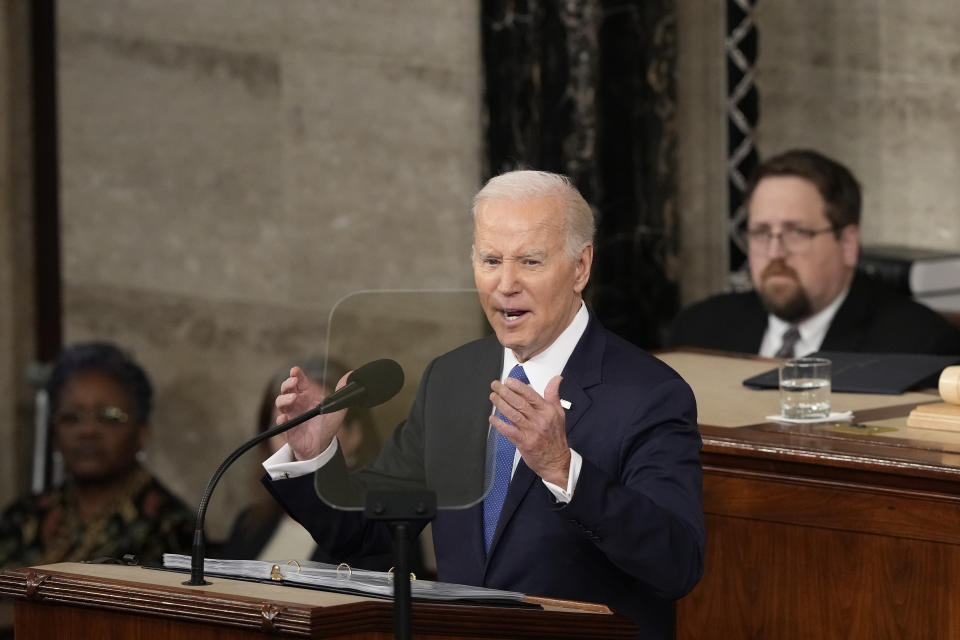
[{"x": 588, "y": 89}]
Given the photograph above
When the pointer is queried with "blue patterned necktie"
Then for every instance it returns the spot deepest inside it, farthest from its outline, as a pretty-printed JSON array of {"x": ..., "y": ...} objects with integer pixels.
[{"x": 503, "y": 468}]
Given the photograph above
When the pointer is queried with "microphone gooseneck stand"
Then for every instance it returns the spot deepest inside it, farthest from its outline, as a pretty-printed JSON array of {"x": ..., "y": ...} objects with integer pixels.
[
  {"x": 368, "y": 385},
  {"x": 196, "y": 559}
]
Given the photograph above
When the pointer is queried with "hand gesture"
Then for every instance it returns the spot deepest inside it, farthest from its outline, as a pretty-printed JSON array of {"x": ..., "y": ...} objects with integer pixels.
[
  {"x": 299, "y": 394},
  {"x": 538, "y": 428}
]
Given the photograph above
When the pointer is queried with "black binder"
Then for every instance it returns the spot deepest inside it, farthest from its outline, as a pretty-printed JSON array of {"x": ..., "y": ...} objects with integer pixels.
[{"x": 889, "y": 373}]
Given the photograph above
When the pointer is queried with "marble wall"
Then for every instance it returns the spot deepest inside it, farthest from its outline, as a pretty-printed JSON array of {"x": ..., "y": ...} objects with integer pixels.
[
  {"x": 232, "y": 168},
  {"x": 877, "y": 85}
]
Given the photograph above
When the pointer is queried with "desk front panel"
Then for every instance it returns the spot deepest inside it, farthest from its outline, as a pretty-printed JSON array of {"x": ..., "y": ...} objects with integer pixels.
[{"x": 821, "y": 531}]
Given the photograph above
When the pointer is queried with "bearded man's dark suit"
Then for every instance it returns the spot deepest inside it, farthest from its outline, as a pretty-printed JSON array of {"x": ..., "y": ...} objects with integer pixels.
[
  {"x": 633, "y": 534},
  {"x": 872, "y": 319}
]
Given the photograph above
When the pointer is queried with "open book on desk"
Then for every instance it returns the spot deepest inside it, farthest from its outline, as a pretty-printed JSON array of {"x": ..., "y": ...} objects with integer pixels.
[{"x": 329, "y": 577}]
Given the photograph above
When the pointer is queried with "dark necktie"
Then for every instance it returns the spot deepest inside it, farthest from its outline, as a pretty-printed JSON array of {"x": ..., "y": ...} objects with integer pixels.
[
  {"x": 503, "y": 468},
  {"x": 790, "y": 338}
]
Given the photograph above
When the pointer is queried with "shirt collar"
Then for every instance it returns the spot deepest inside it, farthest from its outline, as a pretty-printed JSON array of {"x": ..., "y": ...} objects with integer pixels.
[{"x": 541, "y": 368}]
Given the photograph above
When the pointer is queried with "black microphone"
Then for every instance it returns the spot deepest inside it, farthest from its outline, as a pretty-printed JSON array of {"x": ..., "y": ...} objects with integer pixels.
[{"x": 372, "y": 384}]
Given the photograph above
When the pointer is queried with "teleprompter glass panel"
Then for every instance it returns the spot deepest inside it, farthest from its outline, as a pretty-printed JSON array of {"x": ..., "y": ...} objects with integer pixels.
[{"x": 441, "y": 444}]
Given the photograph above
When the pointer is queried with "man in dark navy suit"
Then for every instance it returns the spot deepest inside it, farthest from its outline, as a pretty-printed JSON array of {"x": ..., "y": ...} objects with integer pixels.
[{"x": 596, "y": 494}]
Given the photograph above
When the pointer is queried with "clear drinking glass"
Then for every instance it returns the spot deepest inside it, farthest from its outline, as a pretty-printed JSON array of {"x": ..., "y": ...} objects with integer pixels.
[{"x": 805, "y": 388}]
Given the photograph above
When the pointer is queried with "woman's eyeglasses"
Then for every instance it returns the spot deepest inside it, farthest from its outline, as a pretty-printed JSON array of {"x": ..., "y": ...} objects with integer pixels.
[{"x": 105, "y": 416}]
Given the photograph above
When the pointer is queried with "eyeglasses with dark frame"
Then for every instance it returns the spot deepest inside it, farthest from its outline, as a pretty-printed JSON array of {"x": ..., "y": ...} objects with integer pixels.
[
  {"x": 104, "y": 416},
  {"x": 792, "y": 239}
]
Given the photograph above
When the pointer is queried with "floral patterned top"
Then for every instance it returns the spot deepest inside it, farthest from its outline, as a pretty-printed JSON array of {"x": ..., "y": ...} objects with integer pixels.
[{"x": 145, "y": 520}]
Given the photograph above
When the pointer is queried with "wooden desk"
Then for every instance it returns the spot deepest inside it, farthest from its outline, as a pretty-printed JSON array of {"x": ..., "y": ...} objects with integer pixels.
[
  {"x": 81, "y": 601},
  {"x": 821, "y": 531}
]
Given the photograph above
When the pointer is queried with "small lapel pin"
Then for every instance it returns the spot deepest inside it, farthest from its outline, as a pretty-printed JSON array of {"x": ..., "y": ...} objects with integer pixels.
[{"x": 566, "y": 404}]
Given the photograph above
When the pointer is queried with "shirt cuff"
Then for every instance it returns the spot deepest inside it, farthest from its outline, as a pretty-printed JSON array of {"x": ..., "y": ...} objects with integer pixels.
[
  {"x": 566, "y": 495},
  {"x": 283, "y": 465}
]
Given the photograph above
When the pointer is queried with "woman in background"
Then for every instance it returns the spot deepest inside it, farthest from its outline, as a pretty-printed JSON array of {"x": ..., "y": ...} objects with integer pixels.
[{"x": 109, "y": 505}]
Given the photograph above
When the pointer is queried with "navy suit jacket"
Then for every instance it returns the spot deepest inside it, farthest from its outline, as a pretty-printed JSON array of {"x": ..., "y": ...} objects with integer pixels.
[
  {"x": 872, "y": 319},
  {"x": 633, "y": 534}
]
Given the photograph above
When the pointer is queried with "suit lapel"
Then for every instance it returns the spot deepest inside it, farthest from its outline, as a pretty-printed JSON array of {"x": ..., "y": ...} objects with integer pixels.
[
  {"x": 582, "y": 371},
  {"x": 747, "y": 332},
  {"x": 846, "y": 329},
  {"x": 478, "y": 408}
]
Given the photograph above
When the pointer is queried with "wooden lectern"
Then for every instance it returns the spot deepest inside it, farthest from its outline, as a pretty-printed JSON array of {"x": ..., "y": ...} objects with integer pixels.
[{"x": 72, "y": 600}]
